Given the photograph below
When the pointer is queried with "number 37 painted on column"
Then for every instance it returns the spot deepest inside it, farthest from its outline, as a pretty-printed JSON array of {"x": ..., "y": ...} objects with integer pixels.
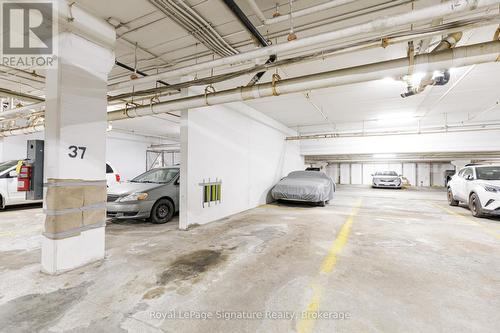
[{"x": 74, "y": 151}]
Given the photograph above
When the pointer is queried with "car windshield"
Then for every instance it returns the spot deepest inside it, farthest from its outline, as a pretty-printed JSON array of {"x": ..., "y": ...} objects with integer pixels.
[
  {"x": 7, "y": 165},
  {"x": 159, "y": 176},
  {"x": 386, "y": 173},
  {"x": 488, "y": 173}
]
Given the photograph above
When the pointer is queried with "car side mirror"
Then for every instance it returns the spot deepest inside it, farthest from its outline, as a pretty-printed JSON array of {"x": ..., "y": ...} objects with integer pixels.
[
  {"x": 13, "y": 174},
  {"x": 469, "y": 177},
  {"x": 400, "y": 175}
]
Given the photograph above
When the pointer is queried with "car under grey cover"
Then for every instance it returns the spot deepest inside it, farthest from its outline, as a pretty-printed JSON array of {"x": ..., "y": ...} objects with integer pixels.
[{"x": 310, "y": 186}]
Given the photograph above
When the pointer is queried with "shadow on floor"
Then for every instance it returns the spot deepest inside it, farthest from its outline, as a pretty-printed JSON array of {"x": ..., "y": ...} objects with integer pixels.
[
  {"x": 492, "y": 218},
  {"x": 297, "y": 204},
  {"x": 135, "y": 225},
  {"x": 37, "y": 205}
]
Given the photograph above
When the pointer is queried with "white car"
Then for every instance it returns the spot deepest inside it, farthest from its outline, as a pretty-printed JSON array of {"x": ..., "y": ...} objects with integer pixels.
[
  {"x": 9, "y": 195},
  {"x": 8, "y": 186},
  {"x": 386, "y": 179},
  {"x": 478, "y": 186},
  {"x": 112, "y": 176}
]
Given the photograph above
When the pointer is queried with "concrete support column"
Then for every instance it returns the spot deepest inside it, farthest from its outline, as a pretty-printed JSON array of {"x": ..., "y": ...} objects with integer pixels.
[{"x": 75, "y": 149}]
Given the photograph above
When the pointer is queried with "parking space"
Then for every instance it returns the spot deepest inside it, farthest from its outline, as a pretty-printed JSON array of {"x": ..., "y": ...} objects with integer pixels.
[
  {"x": 368, "y": 250},
  {"x": 249, "y": 166}
]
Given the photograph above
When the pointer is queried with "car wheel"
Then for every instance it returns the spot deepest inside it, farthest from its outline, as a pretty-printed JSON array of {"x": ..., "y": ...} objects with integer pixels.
[
  {"x": 451, "y": 200},
  {"x": 162, "y": 211},
  {"x": 475, "y": 206}
]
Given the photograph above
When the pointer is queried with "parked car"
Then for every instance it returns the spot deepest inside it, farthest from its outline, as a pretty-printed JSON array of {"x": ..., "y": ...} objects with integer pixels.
[
  {"x": 9, "y": 195},
  {"x": 387, "y": 179},
  {"x": 478, "y": 186},
  {"x": 448, "y": 174},
  {"x": 307, "y": 186},
  {"x": 112, "y": 176},
  {"x": 152, "y": 195}
]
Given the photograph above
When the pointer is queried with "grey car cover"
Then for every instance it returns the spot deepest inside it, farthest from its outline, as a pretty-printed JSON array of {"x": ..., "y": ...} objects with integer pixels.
[{"x": 312, "y": 186}]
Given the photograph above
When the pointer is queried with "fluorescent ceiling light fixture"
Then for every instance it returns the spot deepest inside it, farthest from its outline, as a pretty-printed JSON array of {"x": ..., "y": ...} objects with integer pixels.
[
  {"x": 436, "y": 74},
  {"x": 384, "y": 155},
  {"x": 416, "y": 78},
  {"x": 387, "y": 79}
]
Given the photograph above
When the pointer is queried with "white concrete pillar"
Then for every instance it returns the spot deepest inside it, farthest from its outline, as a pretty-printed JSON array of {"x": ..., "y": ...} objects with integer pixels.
[{"x": 75, "y": 148}]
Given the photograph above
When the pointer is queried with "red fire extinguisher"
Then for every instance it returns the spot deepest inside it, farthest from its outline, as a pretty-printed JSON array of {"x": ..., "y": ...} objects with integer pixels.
[{"x": 24, "y": 178}]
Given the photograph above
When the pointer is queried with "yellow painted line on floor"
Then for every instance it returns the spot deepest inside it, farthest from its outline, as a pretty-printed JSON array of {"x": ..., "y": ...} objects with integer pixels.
[
  {"x": 468, "y": 220},
  {"x": 305, "y": 325}
]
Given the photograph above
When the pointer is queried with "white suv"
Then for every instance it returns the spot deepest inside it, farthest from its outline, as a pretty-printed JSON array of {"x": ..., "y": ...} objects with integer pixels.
[{"x": 479, "y": 187}]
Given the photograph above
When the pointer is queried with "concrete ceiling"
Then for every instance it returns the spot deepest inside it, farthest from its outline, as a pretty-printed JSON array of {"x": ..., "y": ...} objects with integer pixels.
[{"x": 163, "y": 44}]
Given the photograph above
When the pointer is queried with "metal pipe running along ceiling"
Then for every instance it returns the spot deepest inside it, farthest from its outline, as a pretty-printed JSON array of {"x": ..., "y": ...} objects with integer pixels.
[
  {"x": 299, "y": 13},
  {"x": 457, "y": 57},
  {"x": 382, "y": 24},
  {"x": 29, "y": 109},
  {"x": 192, "y": 22}
]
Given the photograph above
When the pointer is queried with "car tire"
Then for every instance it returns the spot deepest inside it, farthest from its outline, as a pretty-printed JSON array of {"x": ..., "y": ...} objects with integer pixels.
[
  {"x": 475, "y": 205},
  {"x": 162, "y": 211},
  {"x": 451, "y": 200},
  {"x": 321, "y": 204}
]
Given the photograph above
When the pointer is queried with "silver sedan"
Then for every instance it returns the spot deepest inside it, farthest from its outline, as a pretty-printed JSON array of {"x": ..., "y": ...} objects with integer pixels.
[
  {"x": 152, "y": 195},
  {"x": 387, "y": 179}
]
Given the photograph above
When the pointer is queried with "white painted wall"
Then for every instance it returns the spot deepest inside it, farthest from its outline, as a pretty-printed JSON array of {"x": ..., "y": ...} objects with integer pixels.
[
  {"x": 14, "y": 147},
  {"x": 345, "y": 173},
  {"x": 356, "y": 173},
  {"x": 410, "y": 172},
  {"x": 126, "y": 153},
  {"x": 333, "y": 170},
  {"x": 417, "y": 143},
  {"x": 238, "y": 145},
  {"x": 423, "y": 174}
]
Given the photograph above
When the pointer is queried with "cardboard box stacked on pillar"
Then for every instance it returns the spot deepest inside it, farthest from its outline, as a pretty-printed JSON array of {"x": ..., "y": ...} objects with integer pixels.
[{"x": 74, "y": 205}]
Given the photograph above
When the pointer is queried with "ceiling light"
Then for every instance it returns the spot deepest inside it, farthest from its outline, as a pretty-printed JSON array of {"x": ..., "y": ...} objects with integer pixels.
[
  {"x": 436, "y": 74},
  {"x": 384, "y": 155},
  {"x": 416, "y": 78},
  {"x": 388, "y": 79}
]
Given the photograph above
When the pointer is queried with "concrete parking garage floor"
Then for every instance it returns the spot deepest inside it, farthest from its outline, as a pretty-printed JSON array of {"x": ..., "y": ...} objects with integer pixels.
[{"x": 373, "y": 261}]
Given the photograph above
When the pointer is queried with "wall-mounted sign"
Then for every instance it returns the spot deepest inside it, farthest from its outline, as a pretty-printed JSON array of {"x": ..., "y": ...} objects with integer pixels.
[{"x": 212, "y": 191}]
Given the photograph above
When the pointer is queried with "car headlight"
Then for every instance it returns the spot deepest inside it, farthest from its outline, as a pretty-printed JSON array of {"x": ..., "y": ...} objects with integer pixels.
[
  {"x": 490, "y": 188},
  {"x": 134, "y": 197}
]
